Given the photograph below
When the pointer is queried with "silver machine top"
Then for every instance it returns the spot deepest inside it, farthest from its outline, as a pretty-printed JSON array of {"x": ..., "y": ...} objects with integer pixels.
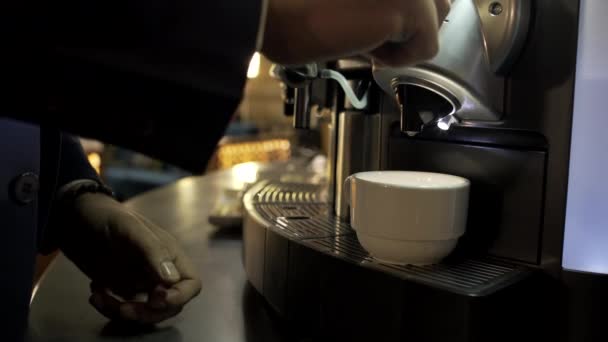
[{"x": 479, "y": 42}]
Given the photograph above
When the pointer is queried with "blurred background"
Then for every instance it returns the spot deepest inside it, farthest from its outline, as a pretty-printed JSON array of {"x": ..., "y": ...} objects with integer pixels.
[{"x": 259, "y": 132}]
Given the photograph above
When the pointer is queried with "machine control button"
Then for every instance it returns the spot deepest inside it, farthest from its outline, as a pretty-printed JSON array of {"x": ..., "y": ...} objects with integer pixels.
[{"x": 24, "y": 189}]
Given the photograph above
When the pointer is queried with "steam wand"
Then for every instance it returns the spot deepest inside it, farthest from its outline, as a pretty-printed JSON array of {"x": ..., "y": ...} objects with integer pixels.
[{"x": 300, "y": 78}]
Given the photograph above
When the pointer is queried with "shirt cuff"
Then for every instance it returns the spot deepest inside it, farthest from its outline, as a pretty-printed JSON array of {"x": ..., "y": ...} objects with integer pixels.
[
  {"x": 72, "y": 190},
  {"x": 262, "y": 28},
  {"x": 64, "y": 198}
]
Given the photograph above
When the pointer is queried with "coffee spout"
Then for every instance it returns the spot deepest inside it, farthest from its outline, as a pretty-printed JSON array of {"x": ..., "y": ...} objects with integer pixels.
[
  {"x": 477, "y": 48},
  {"x": 411, "y": 123},
  {"x": 421, "y": 107}
]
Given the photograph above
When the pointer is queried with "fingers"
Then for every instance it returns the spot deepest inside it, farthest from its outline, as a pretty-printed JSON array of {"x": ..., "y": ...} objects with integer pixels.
[
  {"x": 131, "y": 289},
  {"x": 140, "y": 312},
  {"x": 187, "y": 288},
  {"x": 156, "y": 252},
  {"x": 303, "y": 31},
  {"x": 179, "y": 294},
  {"x": 173, "y": 281},
  {"x": 182, "y": 262},
  {"x": 106, "y": 305},
  {"x": 422, "y": 46},
  {"x": 157, "y": 298},
  {"x": 183, "y": 292},
  {"x": 443, "y": 9},
  {"x": 418, "y": 49},
  {"x": 420, "y": 25}
]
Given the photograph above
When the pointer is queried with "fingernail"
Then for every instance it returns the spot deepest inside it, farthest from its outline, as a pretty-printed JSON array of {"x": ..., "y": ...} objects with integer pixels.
[
  {"x": 169, "y": 271},
  {"x": 127, "y": 311}
]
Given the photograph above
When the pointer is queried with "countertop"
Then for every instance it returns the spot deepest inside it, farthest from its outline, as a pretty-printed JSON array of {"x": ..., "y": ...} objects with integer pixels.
[{"x": 228, "y": 309}]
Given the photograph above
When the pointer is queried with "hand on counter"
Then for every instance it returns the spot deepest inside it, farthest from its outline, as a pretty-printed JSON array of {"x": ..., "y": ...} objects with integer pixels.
[
  {"x": 138, "y": 271},
  {"x": 392, "y": 32}
]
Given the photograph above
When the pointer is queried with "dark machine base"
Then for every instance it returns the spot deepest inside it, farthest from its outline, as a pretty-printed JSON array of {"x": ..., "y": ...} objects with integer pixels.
[{"x": 312, "y": 271}]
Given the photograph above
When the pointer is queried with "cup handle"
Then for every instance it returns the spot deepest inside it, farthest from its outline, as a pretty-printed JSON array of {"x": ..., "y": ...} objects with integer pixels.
[{"x": 346, "y": 194}]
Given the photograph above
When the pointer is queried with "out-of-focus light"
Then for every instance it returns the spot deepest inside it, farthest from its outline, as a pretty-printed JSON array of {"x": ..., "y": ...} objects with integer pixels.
[
  {"x": 444, "y": 126},
  {"x": 185, "y": 197},
  {"x": 259, "y": 151},
  {"x": 254, "y": 66},
  {"x": 95, "y": 161},
  {"x": 586, "y": 236},
  {"x": 446, "y": 123},
  {"x": 246, "y": 173}
]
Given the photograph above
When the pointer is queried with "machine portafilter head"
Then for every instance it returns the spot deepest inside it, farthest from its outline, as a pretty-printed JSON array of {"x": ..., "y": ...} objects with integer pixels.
[{"x": 479, "y": 42}]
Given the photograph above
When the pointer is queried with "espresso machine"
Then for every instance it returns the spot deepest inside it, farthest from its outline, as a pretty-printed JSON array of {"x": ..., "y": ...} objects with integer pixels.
[{"x": 512, "y": 102}]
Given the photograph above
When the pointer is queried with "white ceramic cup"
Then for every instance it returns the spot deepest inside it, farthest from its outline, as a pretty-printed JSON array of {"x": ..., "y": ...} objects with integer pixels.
[{"x": 403, "y": 217}]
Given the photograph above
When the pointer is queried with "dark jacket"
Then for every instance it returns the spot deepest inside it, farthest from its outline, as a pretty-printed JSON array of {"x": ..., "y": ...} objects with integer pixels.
[
  {"x": 161, "y": 77},
  {"x": 29, "y": 152}
]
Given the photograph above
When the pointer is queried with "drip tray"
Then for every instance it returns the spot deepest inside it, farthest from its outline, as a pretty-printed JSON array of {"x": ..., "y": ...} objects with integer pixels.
[
  {"x": 472, "y": 277},
  {"x": 300, "y": 213}
]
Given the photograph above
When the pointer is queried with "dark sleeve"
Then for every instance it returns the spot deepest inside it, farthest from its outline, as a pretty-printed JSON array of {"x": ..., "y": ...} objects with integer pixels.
[
  {"x": 73, "y": 163},
  {"x": 162, "y": 77},
  {"x": 69, "y": 166}
]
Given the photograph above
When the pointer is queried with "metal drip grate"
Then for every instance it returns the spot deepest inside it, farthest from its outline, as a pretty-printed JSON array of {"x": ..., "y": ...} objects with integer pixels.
[
  {"x": 298, "y": 212},
  {"x": 469, "y": 276},
  {"x": 306, "y": 221},
  {"x": 290, "y": 193}
]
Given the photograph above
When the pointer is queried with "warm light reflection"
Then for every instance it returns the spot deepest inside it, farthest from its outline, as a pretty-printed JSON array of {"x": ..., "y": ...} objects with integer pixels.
[
  {"x": 186, "y": 190},
  {"x": 271, "y": 150},
  {"x": 95, "y": 161},
  {"x": 34, "y": 292},
  {"x": 254, "y": 66},
  {"x": 246, "y": 173}
]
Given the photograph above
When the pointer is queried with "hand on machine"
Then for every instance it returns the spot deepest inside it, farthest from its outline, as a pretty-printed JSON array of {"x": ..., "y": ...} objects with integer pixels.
[
  {"x": 396, "y": 33},
  {"x": 391, "y": 32}
]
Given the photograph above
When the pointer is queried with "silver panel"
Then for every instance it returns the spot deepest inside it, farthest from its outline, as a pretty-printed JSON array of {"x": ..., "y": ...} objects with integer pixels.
[
  {"x": 302, "y": 112},
  {"x": 475, "y": 46},
  {"x": 504, "y": 25},
  {"x": 359, "y": 138},
  {"x": 586, "y": 235}
]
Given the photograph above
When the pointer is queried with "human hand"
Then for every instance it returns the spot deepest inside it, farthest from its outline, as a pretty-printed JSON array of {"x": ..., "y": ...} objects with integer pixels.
[
  {"x": 139, "y": 272},
  {"x": 392, "y": 32}
]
